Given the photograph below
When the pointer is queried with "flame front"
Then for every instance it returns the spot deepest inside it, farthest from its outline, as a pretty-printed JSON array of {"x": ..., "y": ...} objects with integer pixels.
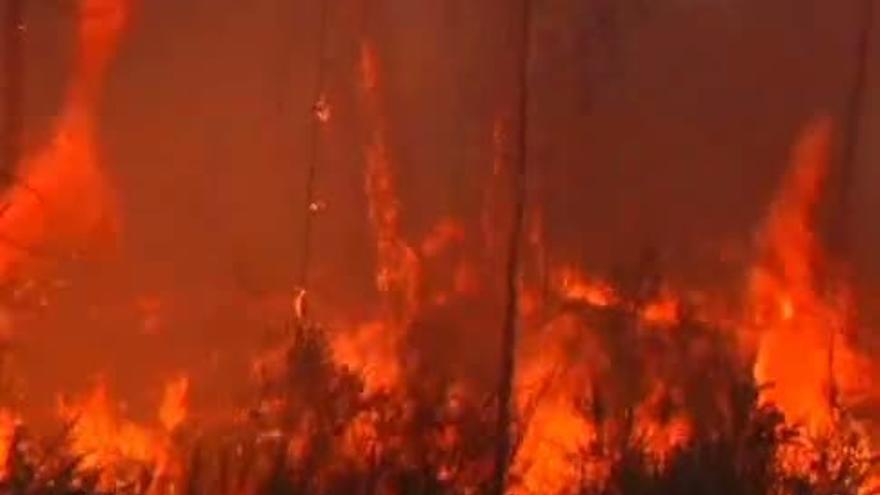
[
  {"x": 616, "y": 378},
  {"x": 103, "y": 439}
]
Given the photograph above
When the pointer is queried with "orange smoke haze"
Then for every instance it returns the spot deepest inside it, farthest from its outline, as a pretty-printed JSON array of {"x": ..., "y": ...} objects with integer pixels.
[
  {"x": 62, "y": 205},
  {"x": 121, "y": 257}
]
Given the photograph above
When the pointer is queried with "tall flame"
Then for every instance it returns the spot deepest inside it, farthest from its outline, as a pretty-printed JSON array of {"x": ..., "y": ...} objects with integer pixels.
[
  {"x": 100, "y": 436},
  {"x": 397, "y": 270},
  {"x": 116, "y": 447},
  {"x": 63, "y": 203},
  {"x": 799, "y": 320}
]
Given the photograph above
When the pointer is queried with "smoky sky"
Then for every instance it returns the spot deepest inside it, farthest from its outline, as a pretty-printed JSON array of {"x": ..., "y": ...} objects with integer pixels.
[{"x": 652, "y": 123}]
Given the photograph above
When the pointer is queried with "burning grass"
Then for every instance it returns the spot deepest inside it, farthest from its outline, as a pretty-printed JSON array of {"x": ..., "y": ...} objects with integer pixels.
[{"x": 589, "y": 421}]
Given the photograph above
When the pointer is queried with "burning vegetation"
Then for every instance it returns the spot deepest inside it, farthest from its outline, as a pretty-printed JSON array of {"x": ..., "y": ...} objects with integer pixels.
[{"x": 622, "y": 385}]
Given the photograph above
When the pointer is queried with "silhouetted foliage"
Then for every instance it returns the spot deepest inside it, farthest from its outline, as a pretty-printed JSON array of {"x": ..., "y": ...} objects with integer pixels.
[{"x": 293, "y": 441}]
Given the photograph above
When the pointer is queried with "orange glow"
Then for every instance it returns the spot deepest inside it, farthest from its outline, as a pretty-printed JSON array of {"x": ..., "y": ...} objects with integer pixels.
[
  {"x": 574, "y": 286},
  {"x": 602, "y": 369},
  {"x": 445, "y": 233},
  {"x": 63, "y": 204},
  {"x": 370, "y": 349},
  {"x": 397, "y": 264},
  {"x": 369, "y": 70},
  {"x": 150, "y": 311},
  {"x": 663, "y": 312},
  {"x": 103, "y": 439},
  {"x": 173, "y": 409},
  {"x": 117, "y": 448},
  {"x": 556, "y": 436},
  {"x": 660, "y": 438},
  {"x": 794, "y": 323},
  {"x": 8, "y": 425},
  {"x": 554, "y": 450}
]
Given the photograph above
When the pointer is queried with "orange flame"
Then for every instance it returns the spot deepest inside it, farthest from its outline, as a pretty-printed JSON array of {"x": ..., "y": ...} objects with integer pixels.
[
  {"x": 664, "y": 311},
  {"x": 115, "y": 447},
  {"x": 797, "y": 324},
  {"x": 8, "y": 425},
  {"x": 397, "y": 264},
  {"x": 368, "y": 350},
  {"x": 574, "y": 286},
  {"x": 63, "y": 204},
  {"x": 101, "y": 437},
  {"x": 173, "y": 409}
]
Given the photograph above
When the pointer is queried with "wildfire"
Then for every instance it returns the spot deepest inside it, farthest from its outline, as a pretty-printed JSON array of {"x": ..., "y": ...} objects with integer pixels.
[
  {"x": 801, "y": 350},
  {"x": 8, "y": 425},
  {"x": 63, "y": 205},
  {"x": 574, "y": 286},
  {"x": 607, "y": 371},
  {"x": 663, "y": 312},
  {"x": 556, "y": 448},
  {"x": 119, "y": 449},
  {"x": 173, "y": 410},
  {"x": 397, "y": 266},
  {"x": 101, "y": 437},
  {"x": 368, "y": 350}
]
